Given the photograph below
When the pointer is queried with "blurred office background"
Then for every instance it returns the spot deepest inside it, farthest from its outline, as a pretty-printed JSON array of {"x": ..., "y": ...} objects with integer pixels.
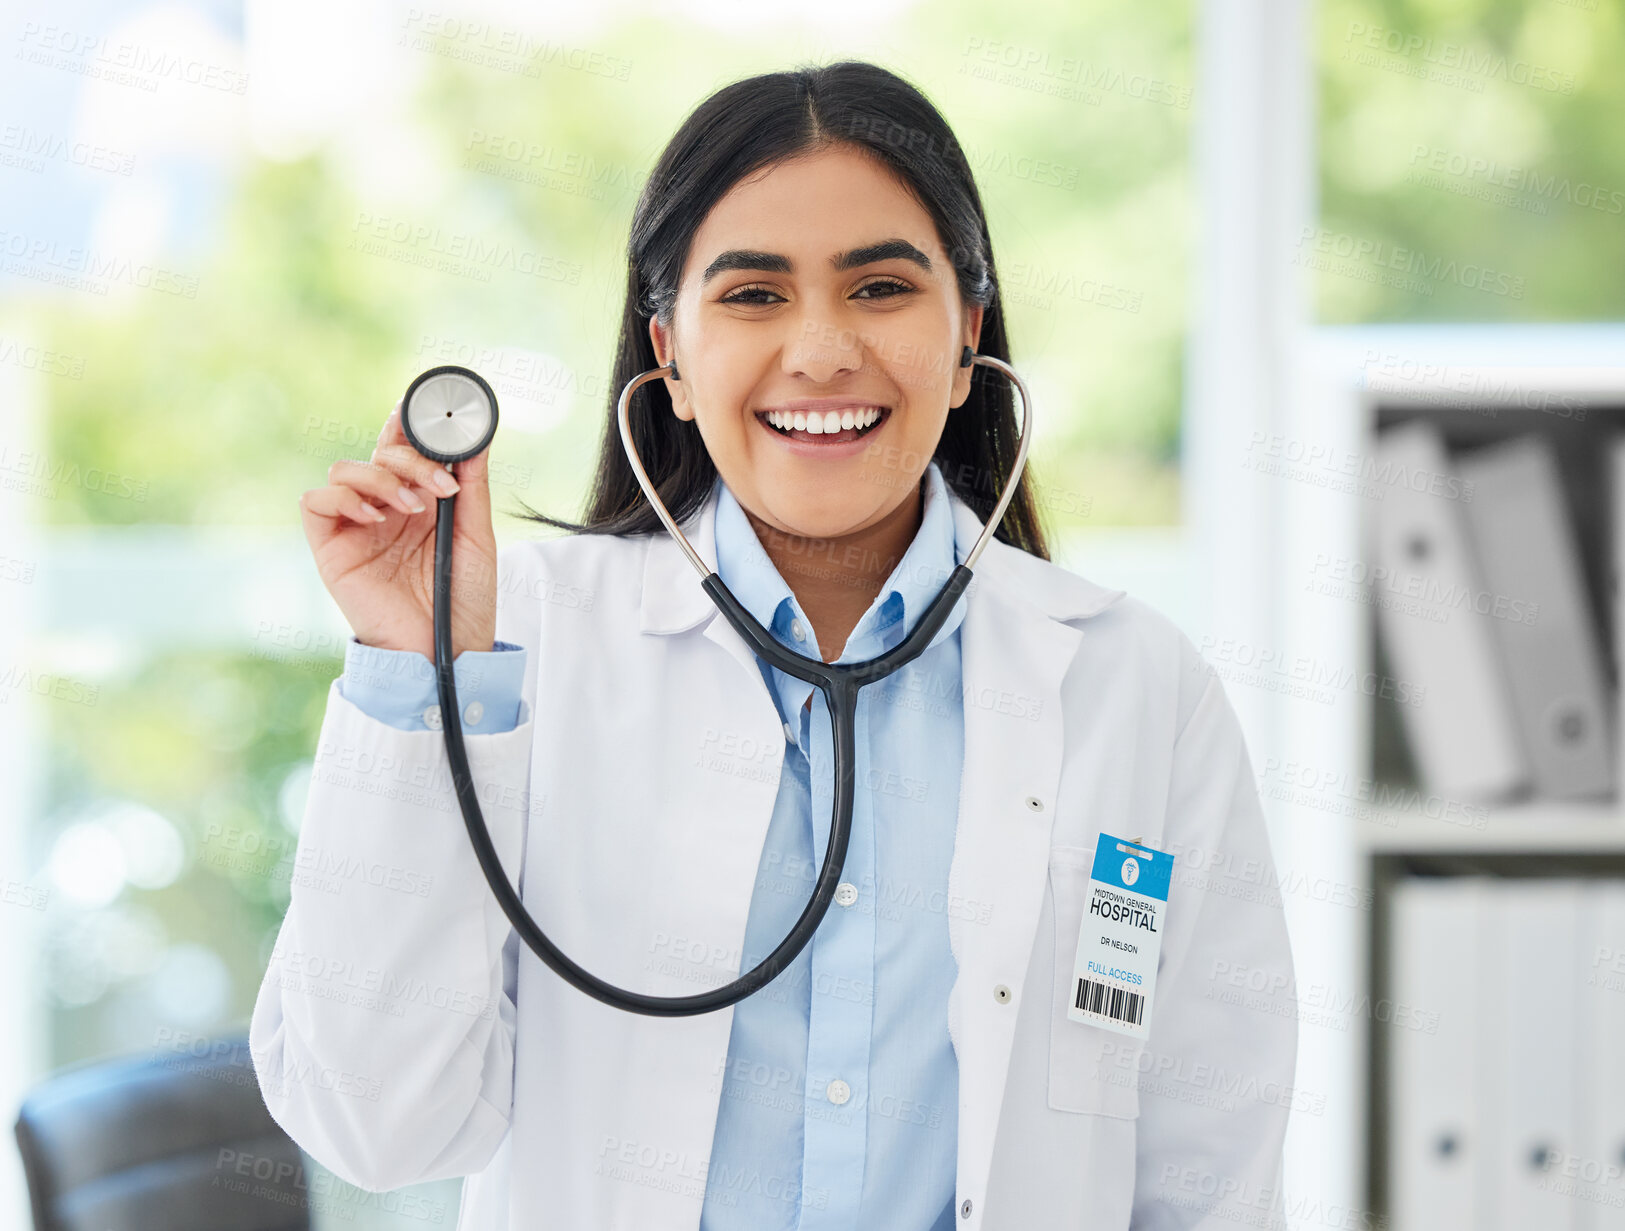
[{"x": 1262, "y": 263}]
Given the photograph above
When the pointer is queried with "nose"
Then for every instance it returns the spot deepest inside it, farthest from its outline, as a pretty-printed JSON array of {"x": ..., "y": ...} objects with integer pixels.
[{"x": 821, "y": 349}]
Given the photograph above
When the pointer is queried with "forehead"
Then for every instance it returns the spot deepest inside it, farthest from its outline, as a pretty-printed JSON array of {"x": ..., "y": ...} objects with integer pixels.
[{"x": 810, "y": 207}]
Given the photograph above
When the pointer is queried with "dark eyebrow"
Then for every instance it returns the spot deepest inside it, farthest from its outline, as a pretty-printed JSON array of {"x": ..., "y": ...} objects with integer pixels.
[
  {"x": 773, "y": 262},
  {"x": 885, "y": 250}
]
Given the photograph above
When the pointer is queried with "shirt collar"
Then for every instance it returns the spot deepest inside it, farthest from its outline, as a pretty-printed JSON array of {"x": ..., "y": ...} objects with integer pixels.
[{"x": 746, "y": 570}]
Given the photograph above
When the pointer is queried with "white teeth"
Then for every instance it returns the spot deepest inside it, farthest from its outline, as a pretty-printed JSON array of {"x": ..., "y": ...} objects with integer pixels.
[{"x": 829, "y": 422}]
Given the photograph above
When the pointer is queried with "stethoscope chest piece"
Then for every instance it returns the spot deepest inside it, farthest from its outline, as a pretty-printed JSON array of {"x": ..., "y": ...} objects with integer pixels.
[{"x": 449, "y": 413}]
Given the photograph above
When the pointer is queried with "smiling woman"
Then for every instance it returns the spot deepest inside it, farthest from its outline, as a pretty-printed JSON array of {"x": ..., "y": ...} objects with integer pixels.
[
  {"x": 812, "y": 256},
  {"x": 805, "y": 322},
  {"x": 809, "y": 241},
  {"x": 810, "y": 279}
]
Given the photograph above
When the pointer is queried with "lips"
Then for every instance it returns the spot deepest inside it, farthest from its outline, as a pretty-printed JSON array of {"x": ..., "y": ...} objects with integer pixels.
[{"x": 824, "y": 428}]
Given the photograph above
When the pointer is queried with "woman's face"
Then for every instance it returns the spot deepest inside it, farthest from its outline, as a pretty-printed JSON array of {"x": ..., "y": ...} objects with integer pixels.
[{"x": 819, "y": 286}]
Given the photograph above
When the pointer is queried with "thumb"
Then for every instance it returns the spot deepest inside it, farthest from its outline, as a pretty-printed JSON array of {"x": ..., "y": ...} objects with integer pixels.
[{"x": 474, "y": 485}]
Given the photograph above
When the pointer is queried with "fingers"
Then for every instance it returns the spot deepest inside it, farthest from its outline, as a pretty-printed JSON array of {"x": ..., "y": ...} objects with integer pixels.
[
  {"x": 339, "y": 502},
  {"x": 396, "y": 453},
  {"x": 390, "y": 477},
  {"x": 397, "y": 478}
]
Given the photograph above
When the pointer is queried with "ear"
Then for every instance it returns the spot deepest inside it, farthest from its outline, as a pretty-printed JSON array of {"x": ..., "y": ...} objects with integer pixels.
[
  {"x": 971, "y": 335},
  {"x": 677, "y": 390}
]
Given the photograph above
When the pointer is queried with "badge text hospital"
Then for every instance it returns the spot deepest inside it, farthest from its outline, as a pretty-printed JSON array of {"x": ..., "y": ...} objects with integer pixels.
[{"x": 1115, "y": 972}]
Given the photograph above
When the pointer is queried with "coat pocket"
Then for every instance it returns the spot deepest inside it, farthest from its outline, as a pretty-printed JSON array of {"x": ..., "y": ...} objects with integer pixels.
[{"x": 1091, "y": 1069}]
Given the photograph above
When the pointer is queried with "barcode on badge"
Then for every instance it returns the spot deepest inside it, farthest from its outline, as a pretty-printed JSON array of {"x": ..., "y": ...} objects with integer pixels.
[{"x": 1114, "y": 1002}]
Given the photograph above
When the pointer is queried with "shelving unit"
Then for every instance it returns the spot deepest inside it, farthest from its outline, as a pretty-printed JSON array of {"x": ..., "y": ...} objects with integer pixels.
[{"x": 1482, "y": 382}]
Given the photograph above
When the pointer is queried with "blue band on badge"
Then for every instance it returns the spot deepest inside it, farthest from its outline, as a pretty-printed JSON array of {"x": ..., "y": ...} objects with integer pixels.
[{"x": 1126, "y": 865}]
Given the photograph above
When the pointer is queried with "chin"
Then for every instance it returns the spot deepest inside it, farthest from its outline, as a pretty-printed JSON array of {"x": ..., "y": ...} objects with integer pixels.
[{"x": 833, "y": 512}]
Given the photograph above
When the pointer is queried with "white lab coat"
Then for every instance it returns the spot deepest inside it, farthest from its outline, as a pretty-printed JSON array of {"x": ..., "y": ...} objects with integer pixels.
[{"x": 403, "y": 1034}]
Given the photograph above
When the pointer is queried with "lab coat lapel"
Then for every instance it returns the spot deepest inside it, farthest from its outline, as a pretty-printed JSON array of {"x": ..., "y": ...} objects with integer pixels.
[
  {"x": 1013, "y": 656},
  {"x": 1016, "y": 646},
  {"x": 673, "y": 599},
  {"x": 730, "y": 712}
]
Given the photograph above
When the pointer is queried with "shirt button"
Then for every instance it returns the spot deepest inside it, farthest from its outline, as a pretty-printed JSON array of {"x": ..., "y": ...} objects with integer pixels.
[
  {"x": 431, "y": 718},
  {"x": 838, "y": 1091},
  {"x": 846, "y": 893},
  {"x": 1001, "y": 993},
  {"x": 797, "y": 630},
  {"x": 964, "y": 1210},
  {"x": 473, "y": 712},
  {"x": 789, "y": 733}
]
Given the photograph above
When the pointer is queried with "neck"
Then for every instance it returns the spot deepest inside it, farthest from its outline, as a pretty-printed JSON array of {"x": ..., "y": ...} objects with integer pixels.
[{"x": 836, "y": 579}]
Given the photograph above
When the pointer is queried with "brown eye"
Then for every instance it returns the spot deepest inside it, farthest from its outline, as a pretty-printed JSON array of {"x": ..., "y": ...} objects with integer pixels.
[
  {"x": 890, "y": 287},
  {"x": 749, "y": 295}
]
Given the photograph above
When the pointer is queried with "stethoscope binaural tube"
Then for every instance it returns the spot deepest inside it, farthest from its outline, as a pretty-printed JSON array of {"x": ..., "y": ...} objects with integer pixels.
[{"x": 839, "y": 682}]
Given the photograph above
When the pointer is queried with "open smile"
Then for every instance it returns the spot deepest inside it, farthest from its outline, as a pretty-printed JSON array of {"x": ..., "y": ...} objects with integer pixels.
[{"x": 822, "y": 431}]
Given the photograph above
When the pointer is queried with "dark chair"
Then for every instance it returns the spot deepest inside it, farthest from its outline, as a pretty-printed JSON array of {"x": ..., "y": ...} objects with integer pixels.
[{"x": 163, "y": 1141}]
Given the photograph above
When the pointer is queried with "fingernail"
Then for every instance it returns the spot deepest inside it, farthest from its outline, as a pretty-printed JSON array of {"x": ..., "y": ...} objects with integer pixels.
[
  {"x": 409, "y": 498},
  {"x": 444, "y": 481}
]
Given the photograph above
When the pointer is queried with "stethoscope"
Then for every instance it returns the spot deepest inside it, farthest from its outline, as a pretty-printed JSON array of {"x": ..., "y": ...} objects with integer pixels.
[{"x": 449, "y": 414}]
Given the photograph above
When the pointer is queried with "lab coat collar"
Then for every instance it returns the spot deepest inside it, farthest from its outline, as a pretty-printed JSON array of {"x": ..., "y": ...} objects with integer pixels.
[{"x": 673, "y": 600}]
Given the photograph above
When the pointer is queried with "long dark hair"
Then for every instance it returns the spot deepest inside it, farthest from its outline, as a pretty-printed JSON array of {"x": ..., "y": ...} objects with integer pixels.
[{"x": 741, "y": 129}]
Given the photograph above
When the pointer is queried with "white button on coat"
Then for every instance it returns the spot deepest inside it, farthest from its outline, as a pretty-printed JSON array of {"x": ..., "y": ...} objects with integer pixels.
[
  {"x": 473, "y": 712},
  {"x": 431, "y": 717},
  {"x": 1081, "y": 698}
]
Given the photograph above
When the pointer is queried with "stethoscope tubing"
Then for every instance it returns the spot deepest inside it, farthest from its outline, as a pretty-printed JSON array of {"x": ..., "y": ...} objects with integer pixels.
[{"x": 840, "y": 684}]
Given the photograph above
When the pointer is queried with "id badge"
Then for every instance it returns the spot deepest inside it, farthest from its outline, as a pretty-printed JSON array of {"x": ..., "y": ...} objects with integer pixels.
[{"x": 1115, "y": 973}]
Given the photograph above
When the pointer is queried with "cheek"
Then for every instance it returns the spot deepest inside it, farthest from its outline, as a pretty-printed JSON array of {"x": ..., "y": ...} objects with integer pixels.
[
  {"x": 925, "y": 380},
  {"x": 719, "y": 412},
  {"x": 920, "y": 359}
]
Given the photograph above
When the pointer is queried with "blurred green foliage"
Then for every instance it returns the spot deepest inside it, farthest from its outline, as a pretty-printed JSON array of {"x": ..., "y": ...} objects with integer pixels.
[
  {"x": 1471, "y": 166},
  {"x": 310, "y": 318}
]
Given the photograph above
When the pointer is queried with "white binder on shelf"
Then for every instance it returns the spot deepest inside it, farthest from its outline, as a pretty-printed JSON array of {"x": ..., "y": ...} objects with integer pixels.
[
  {"x": 1529, "y": 1028},
  {"x": 1436, "y": 1153},
  {"x": 1530, "y": 565},
  {"x": 1599, "y": 1164},
  {"x": 1463, "y": 733},
  {"x": 1616, "y": 585}
]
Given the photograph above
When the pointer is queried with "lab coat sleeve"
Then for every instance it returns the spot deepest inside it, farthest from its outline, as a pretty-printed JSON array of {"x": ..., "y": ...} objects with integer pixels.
[
  {"x": 1217, "y": 1072},
  {"x": 383, "y": 1031}
]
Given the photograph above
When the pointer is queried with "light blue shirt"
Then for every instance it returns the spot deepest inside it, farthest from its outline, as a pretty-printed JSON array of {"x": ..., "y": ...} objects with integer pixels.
[
  {"x": 399, "y": 687},
  {"x": 865, "y": 1004},
  {"x": 840, "y": 1097}
]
